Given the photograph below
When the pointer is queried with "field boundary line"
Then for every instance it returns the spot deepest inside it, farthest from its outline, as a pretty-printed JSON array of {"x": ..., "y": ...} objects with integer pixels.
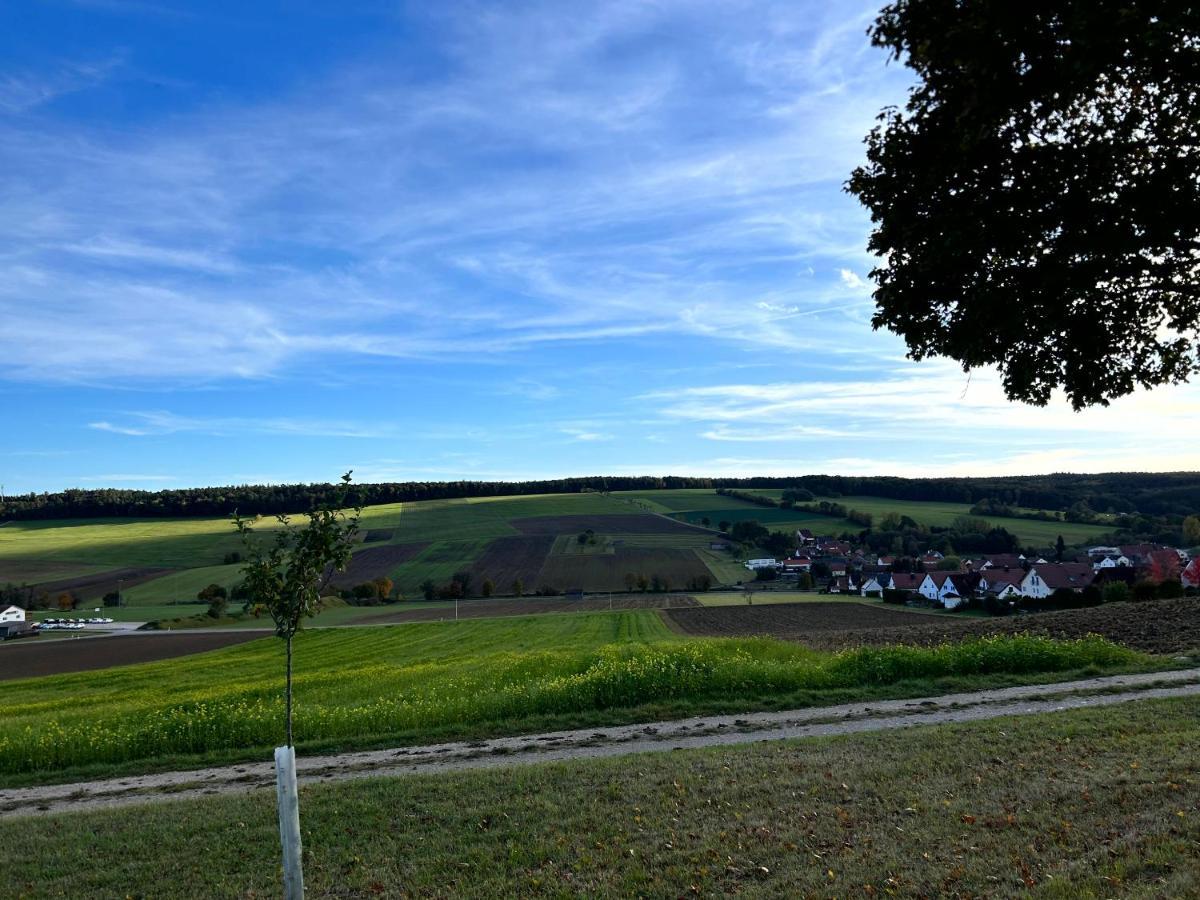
[{"x": 696, "y": 732}]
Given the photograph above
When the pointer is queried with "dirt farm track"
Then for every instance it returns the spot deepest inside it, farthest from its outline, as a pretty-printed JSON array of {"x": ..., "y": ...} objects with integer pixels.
[
  {"x": 39, "y": 657},
  {"x": 1157, "y": 626}
]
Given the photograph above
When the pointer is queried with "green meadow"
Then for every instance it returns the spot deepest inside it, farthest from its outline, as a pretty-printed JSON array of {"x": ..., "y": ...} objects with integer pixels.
[
  {"x": 411, "y": 682},
  {"x": 1088, "y": 803}
]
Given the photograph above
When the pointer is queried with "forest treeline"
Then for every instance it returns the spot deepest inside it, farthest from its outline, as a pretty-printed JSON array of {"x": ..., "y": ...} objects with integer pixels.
[{"x": 1155, "y": 494}]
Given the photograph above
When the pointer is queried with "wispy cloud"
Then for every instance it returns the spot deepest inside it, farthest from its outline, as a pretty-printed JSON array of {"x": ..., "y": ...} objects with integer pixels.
[
  {"x": 592, "y": 203},
  {"x": 22, "y": 92},
  {"x": 157, "y": 423}
]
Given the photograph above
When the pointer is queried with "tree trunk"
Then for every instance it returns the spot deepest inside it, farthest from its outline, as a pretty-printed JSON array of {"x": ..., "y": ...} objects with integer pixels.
[{"x": 289, "y": 690}]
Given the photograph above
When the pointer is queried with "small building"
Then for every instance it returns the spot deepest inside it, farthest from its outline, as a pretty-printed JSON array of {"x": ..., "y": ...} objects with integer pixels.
[
  {"x": 797, "y": 564},
  {"x": 11, "y": 614},
  {"x": 875, "y": 584},
  {"x": 765, "y": 563},
  {"x": 805, "y": 537}
]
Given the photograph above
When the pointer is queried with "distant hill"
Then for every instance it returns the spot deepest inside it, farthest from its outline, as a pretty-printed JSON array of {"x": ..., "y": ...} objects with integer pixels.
[{"x": 1151, "y": 494}]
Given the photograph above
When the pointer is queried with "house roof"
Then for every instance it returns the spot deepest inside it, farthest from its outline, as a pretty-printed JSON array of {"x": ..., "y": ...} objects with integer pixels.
[
  {"x": 907, "y": 581},
  {"x": 1065, "y": 575},
  {"x": 1004, "y": 560},
  {"x": 995, "y": 576},
  {"x": 1168, "y": 562}
]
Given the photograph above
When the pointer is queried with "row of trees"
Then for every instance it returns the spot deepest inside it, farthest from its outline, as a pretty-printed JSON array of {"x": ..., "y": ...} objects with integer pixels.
[{"x": 1149, "y": 494}]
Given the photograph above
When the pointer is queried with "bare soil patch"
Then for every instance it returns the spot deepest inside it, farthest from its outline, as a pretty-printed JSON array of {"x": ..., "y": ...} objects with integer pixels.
[
  {"x": 607, "y": 571},
  {"x": 1158, "y": 626},
  {"x": 506, "y": 559},
  {"x": 86, "y": 653},
  {"x": 528, "y": 606},
  {"x": 375, "y": 562},
  {"x": 34, "y": 571},
  {"x": 615, "y": 524},
  {"x": 95, "y": 586}
]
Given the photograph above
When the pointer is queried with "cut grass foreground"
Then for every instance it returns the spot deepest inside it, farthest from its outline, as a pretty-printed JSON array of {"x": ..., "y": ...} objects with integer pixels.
[
  {"x": 1089, "y": 803},
  {"x": 421, "y": 679}
]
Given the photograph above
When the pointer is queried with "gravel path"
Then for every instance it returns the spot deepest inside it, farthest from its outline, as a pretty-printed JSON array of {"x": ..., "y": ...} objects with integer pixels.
[{"x": 703, "y": 731}]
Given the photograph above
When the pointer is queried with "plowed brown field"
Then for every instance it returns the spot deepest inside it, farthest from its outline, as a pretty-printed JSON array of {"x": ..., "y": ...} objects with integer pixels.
[{"x": 1160, "y": 626}]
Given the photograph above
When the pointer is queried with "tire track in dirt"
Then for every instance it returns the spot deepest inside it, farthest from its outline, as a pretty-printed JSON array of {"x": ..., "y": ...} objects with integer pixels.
[{"x": 702, "y": 731}]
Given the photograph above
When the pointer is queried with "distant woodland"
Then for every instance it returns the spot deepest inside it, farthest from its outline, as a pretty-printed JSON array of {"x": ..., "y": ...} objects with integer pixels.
[{"x": 1173, "y": 494}]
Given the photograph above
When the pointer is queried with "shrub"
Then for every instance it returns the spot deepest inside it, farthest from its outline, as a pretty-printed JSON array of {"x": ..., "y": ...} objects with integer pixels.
[
  {"x": 1145, "y": 590},
  {"x": 1116, "y": 592},
  {"x": 1170, "y": 589}
]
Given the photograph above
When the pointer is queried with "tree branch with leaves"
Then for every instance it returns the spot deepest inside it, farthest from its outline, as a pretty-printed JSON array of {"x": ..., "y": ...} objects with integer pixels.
[{"x": 288, "y": 574}]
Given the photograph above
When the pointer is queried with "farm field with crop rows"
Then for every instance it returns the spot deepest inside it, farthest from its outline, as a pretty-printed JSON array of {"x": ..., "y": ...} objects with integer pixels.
[
  {"x": 415, "y": 681},
  {"x": 499, "y": 539}
]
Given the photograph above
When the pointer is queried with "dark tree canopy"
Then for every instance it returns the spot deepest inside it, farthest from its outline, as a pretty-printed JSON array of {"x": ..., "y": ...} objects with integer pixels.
[{"x": 1037, "y": 201}]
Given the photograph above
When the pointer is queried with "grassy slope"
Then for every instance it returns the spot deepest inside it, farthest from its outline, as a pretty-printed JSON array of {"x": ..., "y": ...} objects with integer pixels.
[
  {"x": 411, "y": 683},
  {"x": 1090, "y": 803},
  {"x": 943, "y": 514}
]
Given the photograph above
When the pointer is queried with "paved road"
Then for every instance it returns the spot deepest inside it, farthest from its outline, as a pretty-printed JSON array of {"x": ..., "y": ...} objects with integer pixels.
[{"x": 705, "y": 731}]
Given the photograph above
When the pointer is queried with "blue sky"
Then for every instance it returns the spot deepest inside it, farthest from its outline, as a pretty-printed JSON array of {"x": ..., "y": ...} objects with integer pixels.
[{"x": 270, "y": 242}]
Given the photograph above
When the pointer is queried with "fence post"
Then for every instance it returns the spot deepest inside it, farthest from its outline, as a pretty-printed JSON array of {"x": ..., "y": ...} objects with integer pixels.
[{"x": 289, "y": 822}]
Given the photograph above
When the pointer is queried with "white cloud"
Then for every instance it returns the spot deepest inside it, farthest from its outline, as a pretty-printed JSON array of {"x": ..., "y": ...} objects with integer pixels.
[{"x": 851, "y": 279}]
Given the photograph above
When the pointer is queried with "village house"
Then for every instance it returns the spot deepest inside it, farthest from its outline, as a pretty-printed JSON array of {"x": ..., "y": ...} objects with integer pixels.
[
  {"x": 1110, "y": 562},
  {"x": 797, "y": 564},
  {"x": 11, "y": 614},
  {"x": 804, "y": 537},
  {"x": 940, "y": 587},
  {"x": 1043, "y": 580},
  {"x": 1004, "y": 583},
  {"x": 875, "y": 584},
  {"x": 764, "y": 563},
  {"x": 907, "y": 581}
]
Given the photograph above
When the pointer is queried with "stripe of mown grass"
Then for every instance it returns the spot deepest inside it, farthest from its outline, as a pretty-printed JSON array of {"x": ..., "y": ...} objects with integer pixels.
[{"x": 1084, "y": 803}]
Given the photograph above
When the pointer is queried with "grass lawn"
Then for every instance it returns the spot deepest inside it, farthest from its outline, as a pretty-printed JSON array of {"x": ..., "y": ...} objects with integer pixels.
[
  {"x": 1087, "y": 803},
  {"x": 934, "y": 513},
  {"x": 172, "y": 543},
  {"x": 182, "y": 585},
  {"x": 682, "y": 499},
  {"x": 410, "y": 683}
]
